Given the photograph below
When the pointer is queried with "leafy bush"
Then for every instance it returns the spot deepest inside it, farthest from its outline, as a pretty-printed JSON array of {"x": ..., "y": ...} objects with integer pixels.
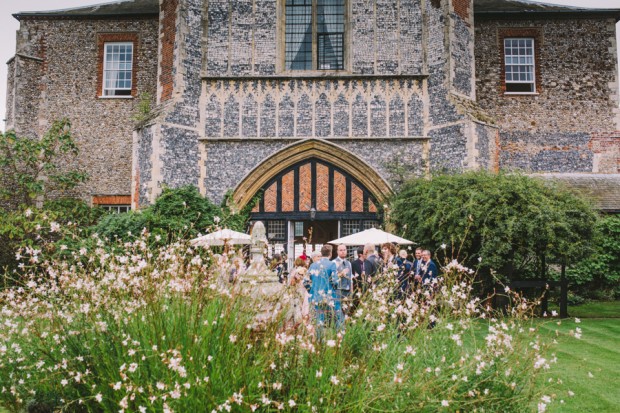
[
  {"x": 26, "y": 227},
  {"x": 180, "y": 212},
  {"x": 35, "y": 167},
  {"x": 508, "y": 222},
  {"x": 75, "y": 211},
  {"x": 598, "y": 276}
]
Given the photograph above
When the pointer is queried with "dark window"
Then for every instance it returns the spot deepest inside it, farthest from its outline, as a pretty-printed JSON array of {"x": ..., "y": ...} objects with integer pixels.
[{"x": 314, "y": 28}]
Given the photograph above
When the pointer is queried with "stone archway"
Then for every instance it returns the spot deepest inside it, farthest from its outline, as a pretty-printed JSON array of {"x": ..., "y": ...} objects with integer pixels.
[{"x": 321, "y": 150}]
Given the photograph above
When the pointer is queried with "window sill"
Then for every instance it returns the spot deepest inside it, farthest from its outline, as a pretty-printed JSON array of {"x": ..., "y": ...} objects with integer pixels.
[
  {"x": 521, "y": 93},
  {"x": 116, "y": 97}
]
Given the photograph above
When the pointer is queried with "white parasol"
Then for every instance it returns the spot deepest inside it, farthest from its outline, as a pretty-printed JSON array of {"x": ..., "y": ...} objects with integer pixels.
[
  {"x": 222, "y": 237},
  {"x": 372, "y": 236}
]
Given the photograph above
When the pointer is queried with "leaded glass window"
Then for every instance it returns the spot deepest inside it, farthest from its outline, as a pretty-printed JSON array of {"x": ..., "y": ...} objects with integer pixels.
[
  {"x": 117, "y": 69},
  {"x": 314, "y": 35},
  {"x": 371, "y": 224},
  {"x": 519, "y": 65},
  {"x": 276, "y": 230},
  {"x": 349, "y": 227}
]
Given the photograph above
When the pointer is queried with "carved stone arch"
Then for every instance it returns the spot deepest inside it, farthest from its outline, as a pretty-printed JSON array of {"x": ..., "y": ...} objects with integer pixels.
[{"x": 322, "y": 150}]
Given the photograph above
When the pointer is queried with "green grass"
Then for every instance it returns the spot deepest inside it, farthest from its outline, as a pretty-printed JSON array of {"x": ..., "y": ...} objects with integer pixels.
[
  {"x": 598, "y": 353},
  {"x": 594, "y": 309}
]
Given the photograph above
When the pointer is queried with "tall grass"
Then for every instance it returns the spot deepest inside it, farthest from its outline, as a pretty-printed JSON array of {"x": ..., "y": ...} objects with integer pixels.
[{"x": 150, "y": 330}]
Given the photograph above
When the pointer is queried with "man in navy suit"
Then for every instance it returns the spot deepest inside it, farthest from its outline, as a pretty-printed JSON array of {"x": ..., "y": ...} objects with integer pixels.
[
  {"x": 343, "y": 283},
  {"x": 428, "y": 269}
]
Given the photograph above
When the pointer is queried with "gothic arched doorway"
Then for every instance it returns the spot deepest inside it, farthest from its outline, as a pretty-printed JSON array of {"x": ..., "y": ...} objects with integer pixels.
[{"x": 312, "y": 202}]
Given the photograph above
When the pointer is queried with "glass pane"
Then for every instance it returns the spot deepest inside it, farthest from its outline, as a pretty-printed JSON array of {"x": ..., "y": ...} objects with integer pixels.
[
  {"x": 299, "y": 229},
  {"x": 298, "y": 35},
  {"x": 330, "y": 35}
]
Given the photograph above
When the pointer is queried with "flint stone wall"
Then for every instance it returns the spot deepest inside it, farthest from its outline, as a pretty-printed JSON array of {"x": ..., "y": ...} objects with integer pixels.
[
  {"x": 552, "y": 131},
  {"x": 243, "y": 38},
  {"x": 66, "y": 87}
]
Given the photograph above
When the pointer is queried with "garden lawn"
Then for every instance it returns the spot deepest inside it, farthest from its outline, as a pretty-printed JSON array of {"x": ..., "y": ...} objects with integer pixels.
[
  {"x": 589, "y": 367},
  {"x": 593, "y": 309}
]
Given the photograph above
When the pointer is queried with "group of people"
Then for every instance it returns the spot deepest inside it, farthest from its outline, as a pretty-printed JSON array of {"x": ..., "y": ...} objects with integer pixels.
[{"x": 324, "y": 288}]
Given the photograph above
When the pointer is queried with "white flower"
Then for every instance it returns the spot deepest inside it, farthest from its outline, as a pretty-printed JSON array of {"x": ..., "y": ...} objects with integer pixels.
[
  {"x": 381, "y": 327},
  {"x": 28, "y": 212},
  {"x": 117, "y": 385},
  {"x": 570, "y": 393},
  {"x": 292, "y": 403},
  {"x": 232, "y": 338},
  {"x": 216, "y": 219},
  {"x": 445, "y": 403},
  {"x": 542, "y": 407},
  {"x": 577, "y": 320},
  {"x": 99, "y": 397},
  {"x": 334, "y": 380},
  {"x": 319, "y": 373},
  {"x": 64, "y": 382},
  {"x": 331, "y": 343},
  {"x": 443, "y": 246}
]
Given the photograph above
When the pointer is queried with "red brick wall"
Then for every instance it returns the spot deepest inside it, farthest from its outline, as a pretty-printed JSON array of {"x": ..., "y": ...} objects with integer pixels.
[
  {"x": 322, "y": 187},
  {"x": 461, "y": 8},
  {"x": 288, "y": 192},
  {"x": 340, "y": 192},
  {"x": 357, "y": 198},
  {"x": 104, "y": 38},
  {"x": 607, "y": 146},
  {"x": 112, "y": 200},
  {"x": 168, "y": 27},
  {"x": 305, "y": 187},
  {"x": 271, "y": 198}
]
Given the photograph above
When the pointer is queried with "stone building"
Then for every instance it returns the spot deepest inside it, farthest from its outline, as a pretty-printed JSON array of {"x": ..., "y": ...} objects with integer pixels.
[{"x": 322, "y": 106}]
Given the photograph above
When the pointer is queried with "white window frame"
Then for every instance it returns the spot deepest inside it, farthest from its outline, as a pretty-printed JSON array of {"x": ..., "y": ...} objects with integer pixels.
[
  {"x": 111, "y": 92},
  {"x": 518, "y": 64},
  {"x": 116, "y": 208}
]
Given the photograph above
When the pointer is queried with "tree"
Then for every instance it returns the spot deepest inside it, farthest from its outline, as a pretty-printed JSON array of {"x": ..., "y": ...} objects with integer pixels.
[
  {"x": 598, "y": 277},
  {"x": 32, "y": 168},
  {"x": 505, "y": 224}
]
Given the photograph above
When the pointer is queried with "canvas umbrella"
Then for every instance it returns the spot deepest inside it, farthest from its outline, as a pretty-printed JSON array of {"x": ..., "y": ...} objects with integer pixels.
[
  {"x": 372, "y": 236},
  {"x": 224, "y": 237}
]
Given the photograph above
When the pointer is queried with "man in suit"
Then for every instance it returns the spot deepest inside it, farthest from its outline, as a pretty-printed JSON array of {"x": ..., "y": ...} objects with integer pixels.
[
  {"x": 358, "y": 266},
  {"x": 405, "y": 268},
  {"x": 359, "y": 278},
  {"x": 417, "y": 263},
  {"x": 322, "y": 295},
  {"x": 343, "y": 283},
  {"x": 428, "y": 269},
  {"x": 372, "y": 263}
]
